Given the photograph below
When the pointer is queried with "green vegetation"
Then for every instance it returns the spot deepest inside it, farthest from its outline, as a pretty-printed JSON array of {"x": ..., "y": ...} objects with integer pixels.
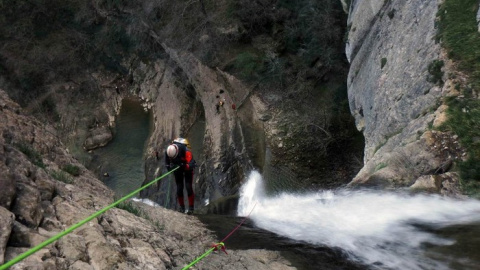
[
  {"x": 292, "y": 48},
  {"x": 48, "y": 108},
  {"x": 251, "y": 67},
  {"x": 458, "y": 32},
  {"x": 304, "y": 33},
  {"x": 436, "y": 73},
  {"x": 31, "y": 153},
  {"x": 46, "y": 41},
  {"x": 391, "y": 13},
  {"x": 380, "y": 166},
  {"x": 464, "y": 120},
  {"x": 383, "y": 62},
  {"x": 71, "y": 169},
  {"x": 312, "y": 31},
  {"x": 130, "y": 207},
  {"x": 248, "y": 65},
  {"x": 62, "y": 176}
]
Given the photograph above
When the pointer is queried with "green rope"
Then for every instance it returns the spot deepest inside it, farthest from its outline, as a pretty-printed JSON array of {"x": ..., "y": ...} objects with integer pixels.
[
  {"x": 204, "y": 255},
  {"x": 75, "y": 226}
]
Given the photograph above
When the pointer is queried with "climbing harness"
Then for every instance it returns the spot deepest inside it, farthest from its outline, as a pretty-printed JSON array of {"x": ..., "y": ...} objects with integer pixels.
[
  {"x": 220, "y": 245},
  {"x": 75, "y": 226}
]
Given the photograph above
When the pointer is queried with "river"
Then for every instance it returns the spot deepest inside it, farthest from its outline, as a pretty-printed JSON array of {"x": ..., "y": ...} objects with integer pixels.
[
  {"x": 122, "y": 159},
  {"x": 377, "y": 229}
]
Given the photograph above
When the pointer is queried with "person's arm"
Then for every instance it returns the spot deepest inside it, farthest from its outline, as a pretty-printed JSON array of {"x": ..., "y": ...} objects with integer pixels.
[{"x": 189, "y": 161}]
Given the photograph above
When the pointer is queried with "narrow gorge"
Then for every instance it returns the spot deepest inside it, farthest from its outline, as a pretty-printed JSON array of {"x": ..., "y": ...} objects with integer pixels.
[{"x": 329, "y": 106}]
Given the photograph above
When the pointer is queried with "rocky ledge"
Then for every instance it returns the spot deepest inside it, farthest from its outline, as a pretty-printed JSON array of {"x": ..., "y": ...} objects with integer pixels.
[{"x": 44, "y": 190}]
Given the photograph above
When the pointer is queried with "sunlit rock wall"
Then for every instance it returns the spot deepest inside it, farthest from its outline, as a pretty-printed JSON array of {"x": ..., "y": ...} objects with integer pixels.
[{"x": 390, "y": 47}]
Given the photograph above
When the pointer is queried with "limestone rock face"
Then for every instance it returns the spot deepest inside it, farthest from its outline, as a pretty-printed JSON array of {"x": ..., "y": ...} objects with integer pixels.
[
  {"x": 187, "y": 95},
  {"x": 38, "y": 205},
  {"x": 390, "y": 46}
]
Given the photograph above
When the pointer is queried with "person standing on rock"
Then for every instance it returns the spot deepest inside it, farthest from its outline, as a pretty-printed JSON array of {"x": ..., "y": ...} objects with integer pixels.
[{"x": 178, "y": 154}]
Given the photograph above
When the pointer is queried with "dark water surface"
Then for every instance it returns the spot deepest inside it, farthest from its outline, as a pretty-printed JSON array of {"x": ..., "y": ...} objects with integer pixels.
[
  {"x": 122, "y": 158},
  {"x": 464, "y": 253},
  {"x": 302, "y": 255}
]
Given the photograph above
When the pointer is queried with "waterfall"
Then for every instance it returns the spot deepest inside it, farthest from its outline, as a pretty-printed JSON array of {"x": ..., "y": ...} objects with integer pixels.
[{"x": 383, "y": 229}]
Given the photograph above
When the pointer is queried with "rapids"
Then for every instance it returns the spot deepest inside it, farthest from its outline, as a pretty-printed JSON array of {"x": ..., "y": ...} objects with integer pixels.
[{"x": 382, "y": 229}]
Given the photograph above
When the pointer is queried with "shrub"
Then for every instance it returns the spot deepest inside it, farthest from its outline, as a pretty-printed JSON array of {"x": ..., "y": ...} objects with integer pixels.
[
  {"x": 274, "y": 68},
  {"x": 62, "y": 177},
  {"x": 436, "y": 73},
  {"x": 71, "y": 169},
  {"x": 383, "y": 62},
  {"x": 464, "y": 120},
  {"x": 31, "y": 153},
  {"x": 248, "y": 65},
  {"x": 458, "y": 33},
  {"x": 391, "y": 13},
  {"x": 380, "y": 166},
  {"x": 130, "y": 207}
]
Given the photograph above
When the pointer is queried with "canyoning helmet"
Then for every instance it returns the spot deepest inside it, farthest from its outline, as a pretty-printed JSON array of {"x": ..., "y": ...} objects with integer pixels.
[
  {"x": 172, "y": 151},
  {"x": 186, "y": 142},
  {"x": 182, "y": 141}
]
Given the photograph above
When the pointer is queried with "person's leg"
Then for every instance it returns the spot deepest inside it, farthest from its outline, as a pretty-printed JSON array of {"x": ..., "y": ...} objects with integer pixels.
[
  {"x": 179, "y": 181},
  {"x": 189, "y": 187}
]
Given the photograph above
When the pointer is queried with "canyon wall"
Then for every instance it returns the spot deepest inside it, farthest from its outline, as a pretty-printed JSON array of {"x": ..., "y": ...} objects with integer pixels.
[{"x": 395, "y": 97}]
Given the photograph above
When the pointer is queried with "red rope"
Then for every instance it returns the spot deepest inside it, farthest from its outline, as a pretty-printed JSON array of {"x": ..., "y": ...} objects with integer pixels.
[
  {"x": 238, "y": 226},
  {"x": 218, "y": 246}
]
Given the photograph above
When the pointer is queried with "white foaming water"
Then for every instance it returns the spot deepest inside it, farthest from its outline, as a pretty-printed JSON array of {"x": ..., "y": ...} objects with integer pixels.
[
  {"x": 146, "y": 201},
  {"x": 374, "y": 228}
]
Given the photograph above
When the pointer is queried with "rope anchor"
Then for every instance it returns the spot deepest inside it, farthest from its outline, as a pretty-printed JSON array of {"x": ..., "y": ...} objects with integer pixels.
[{"x": 220, "y": 245}]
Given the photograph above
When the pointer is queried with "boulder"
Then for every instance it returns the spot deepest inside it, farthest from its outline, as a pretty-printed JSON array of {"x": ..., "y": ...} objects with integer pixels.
[
  {"x": 40, "y": 260},
  {"x": 98, "y": 137},
  {"x": 22, "y": 236},
  {"x": 102, "y": 255},
  {"x": 7, "y": 187},
  {"x": 429, "y": 183},
  {"x": 27, "y": 206},
  {"x": 6, "y": 223},
  {"x": 45, "y": 184},
  {"x": 72, "y": 248}
]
